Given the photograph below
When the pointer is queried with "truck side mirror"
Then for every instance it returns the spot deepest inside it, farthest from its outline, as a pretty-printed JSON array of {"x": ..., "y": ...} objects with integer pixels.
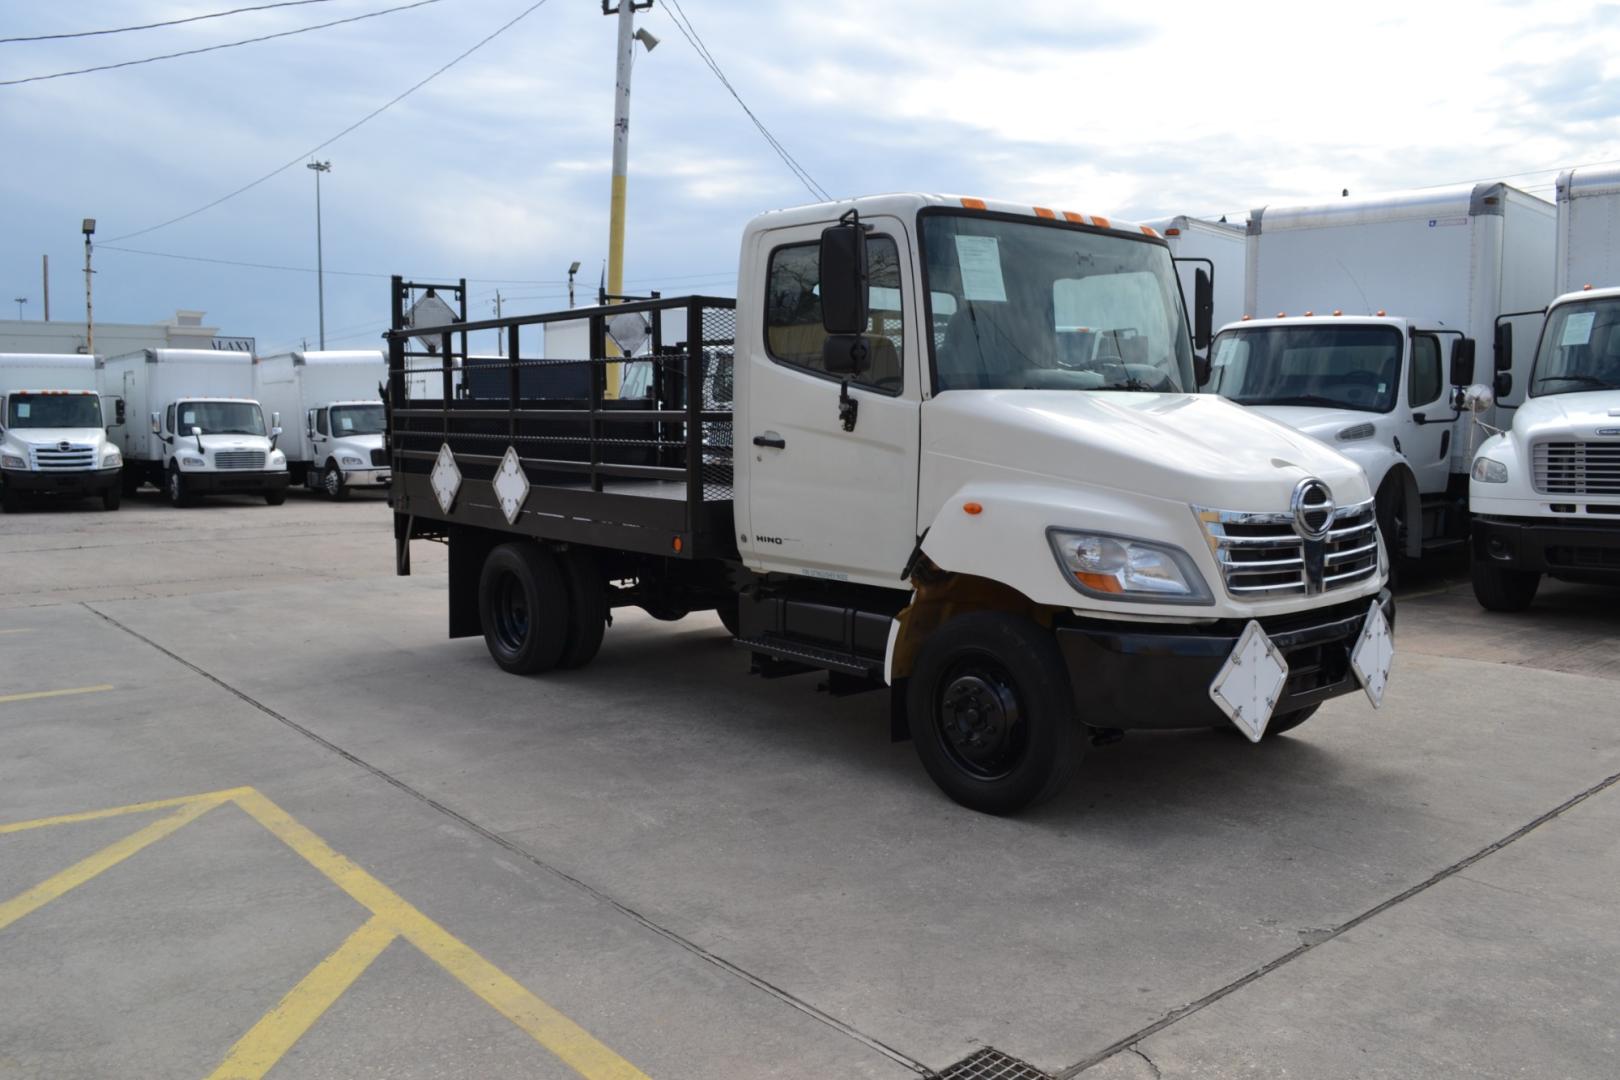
[
  {"x": 1203, "y": 309},
  {"x": 1504, "y": 346},
  {"x": 1504, "y": 384},
  {"x": 156, "y": 430},
  {"x": 309, "y": 424},
  {"x": 118, "y": 412},
  {"x": 275, "y": 420},
  {"x": 275, "y": 432},
  {"x": 1200, "y": 371},
  {"x": 1462, "y": 361},
  {"x": 845, "y": 289}
]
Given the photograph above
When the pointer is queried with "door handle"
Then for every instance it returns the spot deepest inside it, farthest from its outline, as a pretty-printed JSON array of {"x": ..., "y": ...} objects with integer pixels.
[{"x": 772, "y": 440}]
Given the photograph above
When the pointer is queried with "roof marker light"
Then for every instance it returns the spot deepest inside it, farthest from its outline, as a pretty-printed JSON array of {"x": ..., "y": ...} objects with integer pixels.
[
  {"x": 1100, "y": 222},
  {"x": 1380, "y": 313},
  {"x": 1071, "y": 216},
  {"x": 1282, "y": 314},
  {"x": 1172, "y": 232},
  {"x": 1246, "y": 318},
  {"x": 1587, "y": 287},
  {"x": 1043, "y": 212},
  {"x": 1336, "y": 311},
  {"x": 1308, "y": 314},
  {"x": 972, "y": 204}
]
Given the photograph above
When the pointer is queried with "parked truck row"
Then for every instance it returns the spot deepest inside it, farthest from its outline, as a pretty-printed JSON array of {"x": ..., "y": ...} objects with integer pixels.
[{"x": 190, "y": 422}]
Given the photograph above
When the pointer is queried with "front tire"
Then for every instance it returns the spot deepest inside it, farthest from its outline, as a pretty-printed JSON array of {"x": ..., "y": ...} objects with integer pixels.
[
  {"x": 1389, "y": 509},
  {"x": 175, "y": 487},
  {"x": 1500, "y": 589},
  {"x": 112, "y": 497},
  {"x": 992, "y": 714},
  {"x": 275, "y": 498},
  {"x": 10, "y": 501},
  {"x": 523, "y": 608},
  {"x": 332, "y": 482}
]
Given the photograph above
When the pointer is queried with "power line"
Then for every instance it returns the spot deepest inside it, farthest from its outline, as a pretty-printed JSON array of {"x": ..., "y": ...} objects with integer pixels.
[
  {"x": 167, "y": 22},
  {"x": 309, "y": 269},
  {"x": 216, "y": 48},
  {"x": 321, "y": 146},
  {"x": 684, "y": 24}
]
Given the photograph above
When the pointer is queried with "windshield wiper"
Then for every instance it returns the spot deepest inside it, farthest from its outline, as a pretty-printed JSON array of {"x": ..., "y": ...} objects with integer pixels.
[
  {"x": 1300, "y": 399},
  {"x": 1584, "y": 380}
]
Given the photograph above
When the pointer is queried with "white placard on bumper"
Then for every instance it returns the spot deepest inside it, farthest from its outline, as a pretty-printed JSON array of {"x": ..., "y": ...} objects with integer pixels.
[
  {"x": 1374, "y": 649},
  {"x": 1250, "y": 683}
]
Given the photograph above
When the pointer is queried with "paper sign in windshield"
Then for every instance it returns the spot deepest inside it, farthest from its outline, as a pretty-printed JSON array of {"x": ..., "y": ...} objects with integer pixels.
[
  {"x": 1578, "y": 329},
  {"x": 979, "y": 258},
  {"x": 24, "y": 409}
]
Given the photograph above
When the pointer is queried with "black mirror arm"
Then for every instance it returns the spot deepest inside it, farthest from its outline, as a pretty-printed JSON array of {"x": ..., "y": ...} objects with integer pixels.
[{"x": 848, "y": 408}]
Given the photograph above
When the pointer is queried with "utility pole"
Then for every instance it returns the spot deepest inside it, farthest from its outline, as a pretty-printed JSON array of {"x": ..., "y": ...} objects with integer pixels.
[
  {"x": 320, "y": 268},
  {"x": 500, "y": 338},
  {"x": 573, "y": 268},
  {"x": 20, "y": 301},
  {"x": 628, "y": 36},
  {"x": 89, "y": 229},
  {"x": 45, "y": 279}
]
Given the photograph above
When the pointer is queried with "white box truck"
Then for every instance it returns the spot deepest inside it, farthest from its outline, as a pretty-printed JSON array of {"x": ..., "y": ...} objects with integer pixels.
[
  {"x": 53, "y": 431},
  {"x": 1546, "y": 494},
  {"x": 1363, "y": 301},
  {"x": 971, "y": 472},
  {"x": 194, "y": 427},
  {"x": 1219, "y": 244},
  {"x": 333, "y": 401}
]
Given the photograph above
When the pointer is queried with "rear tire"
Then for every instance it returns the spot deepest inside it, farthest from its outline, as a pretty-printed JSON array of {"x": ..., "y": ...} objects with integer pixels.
[
  {"x": 1500, "y": 589},
  {"x": 523, "y": 608},
  {"x": 992, "y": 713},
  {"x": 112, "y": 497},
  {"x": 587, "y": 607}
]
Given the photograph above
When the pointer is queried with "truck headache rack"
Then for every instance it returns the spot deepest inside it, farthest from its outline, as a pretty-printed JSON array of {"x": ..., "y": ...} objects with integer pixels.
[{"x": 632, "y": 452}]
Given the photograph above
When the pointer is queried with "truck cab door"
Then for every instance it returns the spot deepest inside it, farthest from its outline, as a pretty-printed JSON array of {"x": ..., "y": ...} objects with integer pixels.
[
  {"x": 1427, "y": 444},
  {"x": 319, "y": 440},
  {"x": 818, "y": 495}
]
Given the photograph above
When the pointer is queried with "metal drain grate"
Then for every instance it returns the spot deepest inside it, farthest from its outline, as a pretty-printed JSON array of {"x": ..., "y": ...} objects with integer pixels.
[{"x": 992, "y": 1064}]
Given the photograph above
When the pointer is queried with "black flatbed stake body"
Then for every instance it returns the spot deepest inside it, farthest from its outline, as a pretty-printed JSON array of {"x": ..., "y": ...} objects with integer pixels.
[{"x": 647, "y": 471}]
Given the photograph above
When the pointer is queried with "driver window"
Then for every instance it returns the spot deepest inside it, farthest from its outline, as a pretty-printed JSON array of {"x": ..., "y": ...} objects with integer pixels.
[
  {"x": 793, "y": 331},
  {"x": 1425, "y": 382}
]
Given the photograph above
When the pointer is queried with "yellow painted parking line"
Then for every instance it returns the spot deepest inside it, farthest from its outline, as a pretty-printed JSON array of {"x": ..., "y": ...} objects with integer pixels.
[
  {"x": 257, "y": 1052},
  {"x": 264, "y": 1044},
  {"x": 548, "y": 1027},
  {"x": 17, "y": 630},
  {"x": 82, "y": 871},
  {"x": 213, "y": 797},
  {"x": 35, "y": 695}
]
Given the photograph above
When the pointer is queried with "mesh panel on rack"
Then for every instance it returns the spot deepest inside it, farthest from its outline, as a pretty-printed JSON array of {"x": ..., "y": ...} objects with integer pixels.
[{"x": 719, "y": 354}]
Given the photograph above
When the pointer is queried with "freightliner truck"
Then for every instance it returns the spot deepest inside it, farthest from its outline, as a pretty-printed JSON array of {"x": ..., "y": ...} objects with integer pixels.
[
  {"x": 970, "y": 471},
  {"x": 1546, "y": 494}
]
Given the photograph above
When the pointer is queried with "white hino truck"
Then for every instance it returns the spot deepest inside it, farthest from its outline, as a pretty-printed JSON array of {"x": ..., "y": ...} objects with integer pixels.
[
  {"x": 1354, "y": 308},
  {"x": 53, "y": 431},
  {"x": 333, "y": 399},
  {"x": 970, "y": 472},
  {"x": 194, "y": 427},
  {"x": 1546, "y": 494}
]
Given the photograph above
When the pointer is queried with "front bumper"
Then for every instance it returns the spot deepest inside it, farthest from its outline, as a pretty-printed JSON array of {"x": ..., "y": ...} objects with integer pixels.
[
  {"x": 1134, "y": 678},
  {"x": 1587, "y": 548},
  {"x": 367, "y": 477},
  {"x": 86, "y": 482},
  {"x": 236, "y": 483}
]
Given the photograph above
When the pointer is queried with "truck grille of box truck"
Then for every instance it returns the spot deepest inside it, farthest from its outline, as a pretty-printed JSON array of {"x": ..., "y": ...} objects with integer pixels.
[
  {"x": 74, "y": 456},
  {"x": 239, "y": 459},
  {"x": 1576, "y": 468},
  {"x": 1261, "y": 555}
]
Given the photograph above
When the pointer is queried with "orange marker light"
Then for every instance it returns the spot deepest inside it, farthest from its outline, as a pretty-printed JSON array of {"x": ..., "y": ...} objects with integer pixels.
[
  {"x": 1308, "y": 314},
  {"x": 1336, "y": 311},
  {"x": 1041, "y": 211},
  {"x": 1172, "y": 232},
  {"x": 1585, "y": 287},
  {"x": 1246, "y": 318},
  {"x": 972, "y": 204},
  {"x": 972, "y": 508},
  {"x": 1071, "y": 216},
  {"x": 676, "y": 544},
  {"x": 1100, "y": 222},
  {"x": 1282, "y": 314},
  {"x": 1380, "y": 313}
]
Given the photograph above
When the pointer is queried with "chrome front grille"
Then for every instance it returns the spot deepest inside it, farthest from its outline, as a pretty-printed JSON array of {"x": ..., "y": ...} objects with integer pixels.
[
  {"x": 64, "y": 457},
  {"x": 1576, "y": 468},
  {"x": 239, "y": 459},
  {"x": 1262, "y": 555}
]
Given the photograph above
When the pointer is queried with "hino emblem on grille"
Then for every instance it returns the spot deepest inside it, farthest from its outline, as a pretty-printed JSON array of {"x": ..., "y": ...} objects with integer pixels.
[
  {"x": 1313, "y": 509},
  {"x": 64, "y": 446}
]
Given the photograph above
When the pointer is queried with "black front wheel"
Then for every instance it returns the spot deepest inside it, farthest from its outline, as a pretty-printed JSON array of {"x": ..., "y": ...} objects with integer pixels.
[
  {"x": 1498, "y": 588},
  {"x": 332, "y": 482},
  {"x": 523, "y": 608},
  {"x": 175, "y": 487},
  {"x": 10, "y": 501},
  {"x": 992, "y": 714},
  {"x": 112, "y": 497}
]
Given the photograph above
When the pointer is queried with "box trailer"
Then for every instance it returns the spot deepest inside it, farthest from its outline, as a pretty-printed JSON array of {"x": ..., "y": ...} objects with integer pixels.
[
  {"x": 1357, "y": 306},
  {"x": 1220, "y": 243},
  {"x": 1589, "y": 228},
  {"x": 194, "y": 426},
  {"x": 332, "y": 401},
  {"x": 1025, "y": 527},
  {"x": 53, "y": 431}
]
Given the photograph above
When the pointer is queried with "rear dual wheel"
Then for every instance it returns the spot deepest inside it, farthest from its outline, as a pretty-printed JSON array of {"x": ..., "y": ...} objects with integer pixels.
[{"x": 541, "y": 610}]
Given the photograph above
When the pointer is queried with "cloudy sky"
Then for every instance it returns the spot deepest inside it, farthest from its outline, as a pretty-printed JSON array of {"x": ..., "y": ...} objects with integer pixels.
[{"x": 497, "y": 170}]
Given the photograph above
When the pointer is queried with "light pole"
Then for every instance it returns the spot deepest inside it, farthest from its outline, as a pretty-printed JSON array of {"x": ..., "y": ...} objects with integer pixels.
[
  {"x": 89, "y": 229},
  {"x": 573, "y": 268},
  {"x": 21, "y": 300},
  {"x": 628, "y": 36},
  {"x": 320, "y": 268}
]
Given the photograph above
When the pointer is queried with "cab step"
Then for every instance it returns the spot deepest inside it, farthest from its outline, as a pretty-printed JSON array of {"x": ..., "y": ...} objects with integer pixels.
[{"x": 775, "y": 657}]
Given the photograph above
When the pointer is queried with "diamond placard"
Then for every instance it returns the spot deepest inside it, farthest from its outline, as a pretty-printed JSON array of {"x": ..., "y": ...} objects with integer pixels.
[
  {"x": 1373, "y": 652},
  {"x": 1249, "y": 684},
  {"x": 446, "y": 478},
  {"x": 511, "y": 485}
]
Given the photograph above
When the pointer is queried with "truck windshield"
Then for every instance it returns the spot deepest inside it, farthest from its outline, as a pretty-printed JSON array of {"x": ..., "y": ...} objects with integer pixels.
[
  {"x": 1339, "y": 367},
  {"x": 1580, "y": 349},
  {"x": 1027, "y": 305},
  {"x": 221, "y": 418},
  {"x": 357, "y": 420},
  {"x": 53, "y": 411}
]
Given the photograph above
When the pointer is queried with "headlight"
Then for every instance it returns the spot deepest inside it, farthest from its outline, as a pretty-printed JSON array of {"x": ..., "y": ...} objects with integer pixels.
[
  {"x": 352, "y": 460},
  {"x": 1121, "y": 568},
  {"x": 112, "y": 458},
  {"x": 11, "y": 461},
  {"x": 277, "y": 459},
  {"x": 1356, "y": 431},
  {"x": 193, "y": 462},
  {"x": 1490, "y": 471}
]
